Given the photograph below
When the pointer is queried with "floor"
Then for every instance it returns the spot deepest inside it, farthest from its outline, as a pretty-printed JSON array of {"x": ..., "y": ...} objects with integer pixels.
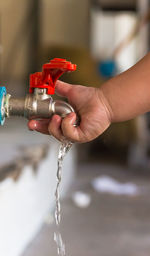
[{"x": 111, "y": 225}]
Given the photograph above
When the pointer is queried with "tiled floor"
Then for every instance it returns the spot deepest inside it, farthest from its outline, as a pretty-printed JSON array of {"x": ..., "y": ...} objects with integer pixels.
[{"x": 110, "y": 226}]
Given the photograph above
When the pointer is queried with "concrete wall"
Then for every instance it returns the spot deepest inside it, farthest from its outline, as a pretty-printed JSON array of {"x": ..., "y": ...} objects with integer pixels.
[
  {"x": 12, "y": 15},
  {"x": 65, "y": 22},
  {"x": 62, "y": 22}
]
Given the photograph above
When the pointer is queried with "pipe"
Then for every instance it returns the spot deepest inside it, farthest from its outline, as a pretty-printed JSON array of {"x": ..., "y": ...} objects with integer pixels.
[{"x": 16, "y": 107}]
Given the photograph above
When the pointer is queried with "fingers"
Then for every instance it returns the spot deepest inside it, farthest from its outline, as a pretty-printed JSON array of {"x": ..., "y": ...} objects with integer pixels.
[
  {"x": 58, "y": 128},
  {"x": 61, "y": 129},
  {"x": 39, "y": 125},
  {"x": 54, "y": 127},
  {"x": 70, "y": 131},
  {"x": 62, "y": 88}
]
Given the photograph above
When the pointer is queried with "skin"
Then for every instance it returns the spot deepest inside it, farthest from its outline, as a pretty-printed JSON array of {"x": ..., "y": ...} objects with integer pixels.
[{"x": 121, "y": 98}]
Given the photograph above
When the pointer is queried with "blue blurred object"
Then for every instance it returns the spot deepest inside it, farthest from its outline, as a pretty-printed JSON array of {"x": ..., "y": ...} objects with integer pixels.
[
  {"x": 2, "y": 114},
  {"x": 107, "y": 68}
]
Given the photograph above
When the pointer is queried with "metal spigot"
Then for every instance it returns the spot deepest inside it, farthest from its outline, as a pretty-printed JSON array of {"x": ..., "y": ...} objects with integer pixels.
[{"x": 38, "y": 103}]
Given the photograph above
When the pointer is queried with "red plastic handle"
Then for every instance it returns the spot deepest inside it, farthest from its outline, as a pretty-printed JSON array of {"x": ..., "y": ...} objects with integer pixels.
[{"x": 50, "y": 74}]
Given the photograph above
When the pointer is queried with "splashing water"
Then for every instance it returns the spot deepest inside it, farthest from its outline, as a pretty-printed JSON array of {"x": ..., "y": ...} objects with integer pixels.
[{"x": 63, "y": 150}]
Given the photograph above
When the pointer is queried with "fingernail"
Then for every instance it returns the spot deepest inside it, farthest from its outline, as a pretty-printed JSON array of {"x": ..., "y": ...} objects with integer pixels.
[
  {"x": 58, "y": 120},
  {"x": 33, "y": 126}
]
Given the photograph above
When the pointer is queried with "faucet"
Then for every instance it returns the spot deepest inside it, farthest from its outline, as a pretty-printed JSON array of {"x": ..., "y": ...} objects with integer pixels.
[{"x": 38, "y": 103}]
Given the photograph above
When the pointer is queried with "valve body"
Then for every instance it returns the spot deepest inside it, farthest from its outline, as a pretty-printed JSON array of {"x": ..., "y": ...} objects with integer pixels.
[{"x": 36, "y": 106}]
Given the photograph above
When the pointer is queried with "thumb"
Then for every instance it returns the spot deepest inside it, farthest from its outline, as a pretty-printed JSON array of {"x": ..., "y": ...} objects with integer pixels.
[
  {"x": 71, "y": 132},
  {"x": 63, "y": 88}
]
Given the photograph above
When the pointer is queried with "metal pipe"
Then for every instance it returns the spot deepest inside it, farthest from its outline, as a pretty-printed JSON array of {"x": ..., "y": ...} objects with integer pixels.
[{"x": 16, "y": 107}]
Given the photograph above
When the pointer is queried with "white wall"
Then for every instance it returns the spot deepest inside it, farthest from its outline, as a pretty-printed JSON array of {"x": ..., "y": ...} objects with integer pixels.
[
  {"x": 143, "y": 47},
  {"x": 107, "y": 31},
  {"x": 25, "y": 203}
]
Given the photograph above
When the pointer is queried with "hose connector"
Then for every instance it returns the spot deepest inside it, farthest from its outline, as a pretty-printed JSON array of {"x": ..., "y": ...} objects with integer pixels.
[{"x": 2, "y": 104}]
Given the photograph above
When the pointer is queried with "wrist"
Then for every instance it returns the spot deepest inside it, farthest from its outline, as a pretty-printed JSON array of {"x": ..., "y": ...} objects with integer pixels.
[{"x": 106, "y": 104}]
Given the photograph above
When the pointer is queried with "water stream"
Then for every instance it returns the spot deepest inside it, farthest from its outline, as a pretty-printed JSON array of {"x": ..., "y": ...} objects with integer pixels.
[{"x": 63, "y": 150}]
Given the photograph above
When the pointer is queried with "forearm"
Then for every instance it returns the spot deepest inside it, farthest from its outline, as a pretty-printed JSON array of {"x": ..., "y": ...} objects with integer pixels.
[{"x": 128, "y": 94}]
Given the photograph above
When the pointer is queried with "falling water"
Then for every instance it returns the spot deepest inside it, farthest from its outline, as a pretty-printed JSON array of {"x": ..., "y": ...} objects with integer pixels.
[{"x": 63, "y": 150}]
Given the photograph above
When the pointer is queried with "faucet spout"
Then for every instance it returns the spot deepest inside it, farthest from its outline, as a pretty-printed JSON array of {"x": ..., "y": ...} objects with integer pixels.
[{"x": 61, "y": 108}]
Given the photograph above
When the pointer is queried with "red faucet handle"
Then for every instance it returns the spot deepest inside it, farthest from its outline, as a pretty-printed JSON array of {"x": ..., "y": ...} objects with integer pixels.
[{"x": 50, "y": 74}]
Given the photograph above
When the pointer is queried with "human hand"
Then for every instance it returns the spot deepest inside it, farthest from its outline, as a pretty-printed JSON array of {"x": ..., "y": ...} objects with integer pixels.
[{"x": 89, "y": 104}]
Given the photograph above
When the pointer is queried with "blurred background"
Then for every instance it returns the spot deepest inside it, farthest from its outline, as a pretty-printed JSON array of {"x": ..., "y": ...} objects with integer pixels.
[{"x": 106, "y": 183}]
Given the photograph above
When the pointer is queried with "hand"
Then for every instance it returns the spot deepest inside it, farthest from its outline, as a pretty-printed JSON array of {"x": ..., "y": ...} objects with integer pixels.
[{"x": 90, "y": 105}]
